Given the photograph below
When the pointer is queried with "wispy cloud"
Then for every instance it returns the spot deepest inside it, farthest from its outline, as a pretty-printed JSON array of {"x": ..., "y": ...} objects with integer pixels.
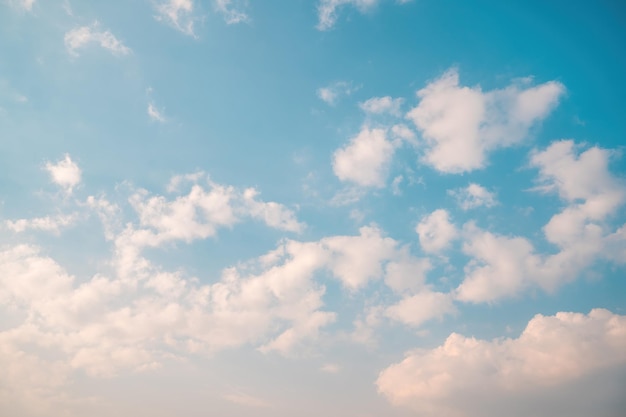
[
  {"x": 333, "y": 92},
  {"x": 83, "y": 36},
  {"x": 178, "y": 14}
]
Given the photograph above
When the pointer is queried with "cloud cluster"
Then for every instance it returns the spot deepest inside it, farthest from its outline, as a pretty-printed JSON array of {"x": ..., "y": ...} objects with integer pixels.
[
  {"x": 502, "y": 266},
  {"x": 555, "y": 357}
]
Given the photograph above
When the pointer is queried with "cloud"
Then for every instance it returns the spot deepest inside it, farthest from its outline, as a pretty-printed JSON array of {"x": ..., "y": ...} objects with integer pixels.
[
  {"x": 503, "y": 266},
  {"x": 82, "y": 36},
  {"x": 327, "y": 10},
  {"x": 330, "y": 368},
  {"x": 65, "y": 173},
  {"x": 474, "y": 196},
  {"x": 382, "y": 105},
  {"x": 48, "y": 223},
  {"x": 232, "y": 11},
  {"x": 547, "y": 371},
  {"x": 579, "y": 177},
  {"x": 22, "y": 4},
  {"x": 435, "y": 231},
  {"x": 246, "y": 400},
  {"x": 416, "y": 309},
  {"x": 273, "y": 214},
  {"x": 155, "y": 114},
  {"x": 199, "y": 213},
  {"x": 177, "y": 13},
  {"x": 462, "y": 125},
  {"x": 335, "y": 91},
  {"x": 365, "y": 160}
]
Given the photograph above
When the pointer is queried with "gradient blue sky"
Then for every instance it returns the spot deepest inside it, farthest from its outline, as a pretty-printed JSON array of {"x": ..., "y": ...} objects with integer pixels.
[{"x": 312, "y": 207}]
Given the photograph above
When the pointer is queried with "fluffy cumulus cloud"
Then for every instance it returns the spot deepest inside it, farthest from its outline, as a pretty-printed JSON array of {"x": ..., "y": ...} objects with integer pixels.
[
  {"x": 134, "y": 315},
  {"x": 198, "y": 214},
  {"x": 84, "y": 36},
  {"x": 561, "y": 365},
  {"x": 65, "y": 173},
  {"x": 503, "y": 266},
  {"x": 462, "y": 125},
  {"x": 435, "y": 231},
  {"x": 327, "y": 10},
  {"x": 474, "y": 196},
  {"x": 365, "y": 160}
]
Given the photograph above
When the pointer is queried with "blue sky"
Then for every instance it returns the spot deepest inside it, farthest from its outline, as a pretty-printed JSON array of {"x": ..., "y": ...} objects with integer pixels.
[{"x": 312, "y": 207}]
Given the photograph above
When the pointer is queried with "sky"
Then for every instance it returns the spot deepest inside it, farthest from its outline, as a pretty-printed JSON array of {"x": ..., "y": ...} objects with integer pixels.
[{"x": 353, "y": 208}]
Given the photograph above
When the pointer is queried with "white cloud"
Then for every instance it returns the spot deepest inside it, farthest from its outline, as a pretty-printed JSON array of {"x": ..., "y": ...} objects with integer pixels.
[
  {"x": 335, "y": 91},
  {"x": 232, "y": 11},
  {"x": 330, "y": 368},
  {"x": 198, "y": 214},
  {"x": 65, "y": 173},
  {"x": 435, "y": 231},
  {"x": 365, "y": 160},
  {"x": 395, "y": 185},
  {"x": 327, "y": 10},
  {"x": 503, "y": 266},
  {"x": 580, "y": 177},
  {"x": 179, "y": 14},
  {"x": 547, "y": 371},
  {"x": 22, "y": 4},
  {"x": 474, "y": 196},
  {"x": 425, "y": 305},
  {"x": 246, "y": 400},
  {"x": 80, "y": 37},
  {"x": 273, "y": 214},
  {"x": 155, "y": 114},
  {"x": 382, "y": 105},
  {"x": 462, "y": 125},
  {"x": 407, "y": 273},
  {"x": 47, "y": 223}
]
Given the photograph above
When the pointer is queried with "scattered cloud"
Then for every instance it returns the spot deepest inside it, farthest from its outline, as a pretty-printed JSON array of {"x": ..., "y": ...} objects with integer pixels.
[
  {"x": 365, "y": 160},
  {"x": 503, "y": 266},
  {"x": 332, "y": 93},
  {"x": 436, "y": 232},
  {"x": 26, "y": 5},
  {"x": 65, "y": 173},
  {"x": 48, "y": 223},
  {"x": 330, "y": 368},
  {"x": 547, "y": 371},
  {"x": 246, "y": 400},
  {"x": 232, "y": 11},
  {"x": 155, "y": 114},
  {"x": 83, "y": 36},
  {"x": 177, "y": 13},
  {"x": 416, "y": 309},
  {"x": 473, "y": 196},
  {"x": 382, "y": 105},
  {"x": 327, "y": 10},
  {"x": 462, "y": 125}
]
